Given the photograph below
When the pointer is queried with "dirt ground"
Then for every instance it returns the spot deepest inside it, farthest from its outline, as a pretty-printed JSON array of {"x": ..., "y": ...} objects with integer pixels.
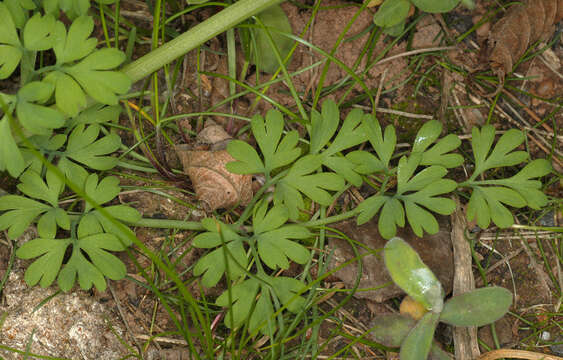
[{"x": 123, "y": 319}]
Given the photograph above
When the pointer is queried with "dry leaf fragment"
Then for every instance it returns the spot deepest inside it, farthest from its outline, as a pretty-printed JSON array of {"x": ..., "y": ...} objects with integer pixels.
[
  {"x": 214, "y": 185},
  {"x": 524, "y": 24}
]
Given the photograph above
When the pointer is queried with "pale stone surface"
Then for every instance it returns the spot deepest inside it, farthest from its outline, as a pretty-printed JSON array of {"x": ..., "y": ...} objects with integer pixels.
[{"x": 70, "y": 325}]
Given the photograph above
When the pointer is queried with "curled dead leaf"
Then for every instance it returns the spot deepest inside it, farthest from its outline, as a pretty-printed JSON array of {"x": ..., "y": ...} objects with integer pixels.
[
  {"x": 522, "y": 25},
  {"x": 214, "y": 185}
]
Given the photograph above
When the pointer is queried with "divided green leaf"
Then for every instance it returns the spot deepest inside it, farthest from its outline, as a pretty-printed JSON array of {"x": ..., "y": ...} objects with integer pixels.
[
  {"x": 303, "y": 178},
  {"x": 275, "y": 240},
  {"x": 418, "y": 193},
  {"x": 229, "y": 257},
  {"x": 489, "y": 197},
  {"x": 253, "y": 301},
  {"x": 35, "y": 118},
  {"x": 268, "y": 134},
  {"x": 10, "y": 46},
  {"x": 322, "y": 129},
  {"x": 383, "y": 144},
  {"x": 22, "y": 211},
  {"x": 437, "y": 154},
  {"x": 11, "y": 158},
  {"x": 84, "y": 147}
]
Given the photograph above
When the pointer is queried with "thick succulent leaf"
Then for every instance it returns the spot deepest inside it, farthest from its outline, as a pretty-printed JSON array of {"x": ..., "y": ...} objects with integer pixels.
[
  {"x": 391, "y": 13},
  {"x": 390, "y": 330},
  {"x": 433, "y": 6},
  {"x": 418, "y": 342},
  {"x": 410, "y": 274},
  {"x": 45, "y": 269},
  {"x": 477, "y": 308},
  {"x": 274, "y": 20}
]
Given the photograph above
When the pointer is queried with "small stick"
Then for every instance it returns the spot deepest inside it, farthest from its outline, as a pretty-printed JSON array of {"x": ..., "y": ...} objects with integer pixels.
[{"x": 465, "y": 338}]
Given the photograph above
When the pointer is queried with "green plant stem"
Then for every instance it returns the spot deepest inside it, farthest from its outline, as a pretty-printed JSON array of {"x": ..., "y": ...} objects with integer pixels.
[
  {"x": 169, "y": 224},
  {"x": 215, "y": 25},
  {"x": 331, "y": 219}
]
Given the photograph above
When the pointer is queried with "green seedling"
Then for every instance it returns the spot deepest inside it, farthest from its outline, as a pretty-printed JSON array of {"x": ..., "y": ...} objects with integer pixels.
[{"x": 415, "y": 338}]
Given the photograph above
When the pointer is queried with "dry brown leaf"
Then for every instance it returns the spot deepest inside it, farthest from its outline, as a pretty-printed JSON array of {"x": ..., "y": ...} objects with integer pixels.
[
  {"x": 523, "y": 24},
  {"x": 214, "y": 185}
]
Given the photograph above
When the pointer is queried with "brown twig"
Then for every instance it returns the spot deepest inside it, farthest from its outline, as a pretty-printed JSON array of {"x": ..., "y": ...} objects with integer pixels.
[{"x": 465, "y": 338}]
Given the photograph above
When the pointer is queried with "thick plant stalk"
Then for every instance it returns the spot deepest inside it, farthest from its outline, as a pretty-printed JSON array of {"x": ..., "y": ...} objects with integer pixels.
[{"x": 215, "y": 25}]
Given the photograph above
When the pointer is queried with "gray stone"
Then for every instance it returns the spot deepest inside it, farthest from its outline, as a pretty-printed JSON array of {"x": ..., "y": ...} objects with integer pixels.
[{"x": 70, "y": 325}]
